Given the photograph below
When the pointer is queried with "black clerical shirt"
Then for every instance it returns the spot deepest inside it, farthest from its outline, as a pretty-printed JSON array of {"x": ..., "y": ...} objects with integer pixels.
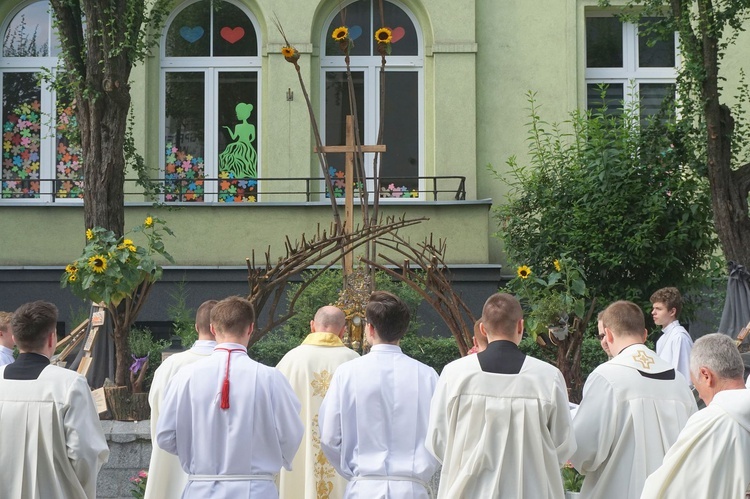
[
  {"x": 28, "y": 366},
  {"x": 501, "y": 357}
]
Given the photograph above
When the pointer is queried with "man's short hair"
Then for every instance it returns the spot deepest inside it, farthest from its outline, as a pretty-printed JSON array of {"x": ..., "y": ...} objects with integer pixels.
[
  {"x": 500, "y": 315},
  {"x": 5, "y": 318},
  {"x": 480, "y": 338},
  {"x": 389, "y": 315},
  {"x": 329, "y": 318},
  {"x": 203, "y": 317},
  {"x": 718, "y": 352},
  {"x": 670, "y": 297},
  {"x": 624, "y": 318},
  {"x": 232, "y": 316},
  {"x": 32, "y": 322}
]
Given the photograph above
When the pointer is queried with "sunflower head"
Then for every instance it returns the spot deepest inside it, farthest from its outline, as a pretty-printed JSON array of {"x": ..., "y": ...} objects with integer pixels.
[
  {"x": 89, "y": 234},
  {"x": 98, "y": 263},
  {"x": 524, "y": 272},
  {"x": 149, "y": 222},
  {"x": 73, "y": 277},
  {"x": 383, "y": 35},
  {"x": 340, "y": 34},
  {"x": 71, "y": 269},
  {"x": 556, "y": 263},
  {"x": 291, "y": 54}
]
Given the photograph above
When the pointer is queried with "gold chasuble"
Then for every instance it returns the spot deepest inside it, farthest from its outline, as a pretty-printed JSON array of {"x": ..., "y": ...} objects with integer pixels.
[{"x": 309, "y": 369}]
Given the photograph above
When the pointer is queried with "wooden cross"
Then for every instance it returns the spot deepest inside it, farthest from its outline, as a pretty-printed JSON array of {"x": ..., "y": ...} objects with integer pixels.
[{"x": 350, "y": 148}]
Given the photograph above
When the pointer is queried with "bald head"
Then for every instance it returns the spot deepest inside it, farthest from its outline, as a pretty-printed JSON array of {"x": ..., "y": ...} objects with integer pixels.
[{"x": 329, "y": 319}]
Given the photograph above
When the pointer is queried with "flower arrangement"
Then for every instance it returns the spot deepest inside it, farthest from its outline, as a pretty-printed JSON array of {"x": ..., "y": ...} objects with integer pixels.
[
  {"x": 552, "y": 300},
  {"x": 139, "y": 484},
  {"x": 120, "y": 274},
  {"x": 384, "y": 37}
]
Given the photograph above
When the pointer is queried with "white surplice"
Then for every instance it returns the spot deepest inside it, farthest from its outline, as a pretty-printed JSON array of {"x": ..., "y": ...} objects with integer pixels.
[
  {"x": 51, "y": 440},
  {"x": 500, "y": 435},
  {"x": 711, "y": 457},
  {"x": 373, "y": 423},
  {"x": 674, "y": 346},
  {"x": 6, "y": 355},
  {"x": 309, "y": 369},
  {"x": 627, "y": 421},
  {"x": 222, "y": 448},
  {"x": 166, "y": 479}
]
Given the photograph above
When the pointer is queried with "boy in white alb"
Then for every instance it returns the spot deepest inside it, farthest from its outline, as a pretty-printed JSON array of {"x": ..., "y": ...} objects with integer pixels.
[
  {"x": 675, "y": 344},
  {"x": 6, "y": 339}
]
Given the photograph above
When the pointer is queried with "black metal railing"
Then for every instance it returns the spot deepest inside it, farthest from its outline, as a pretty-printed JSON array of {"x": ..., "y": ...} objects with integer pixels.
[{"x": 266, "y": 189}]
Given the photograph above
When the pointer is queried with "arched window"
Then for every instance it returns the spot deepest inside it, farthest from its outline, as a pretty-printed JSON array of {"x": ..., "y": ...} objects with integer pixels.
[
  {"x": 403, "y": 135},
  {"x": 38, "y": 160},
  {"x": 210, "y": 80}
]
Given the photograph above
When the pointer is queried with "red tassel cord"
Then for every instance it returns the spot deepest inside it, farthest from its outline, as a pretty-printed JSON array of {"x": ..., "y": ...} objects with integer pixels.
[{"x": 225, "y": 386}]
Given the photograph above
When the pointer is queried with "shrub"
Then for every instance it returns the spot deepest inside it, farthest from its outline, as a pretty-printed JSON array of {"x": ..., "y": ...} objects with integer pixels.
[{"x": 142, "y": 345}]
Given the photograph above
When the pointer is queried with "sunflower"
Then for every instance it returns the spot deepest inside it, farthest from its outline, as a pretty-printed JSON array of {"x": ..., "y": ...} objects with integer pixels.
[
  {"x": 89, "y": 234},
  {"x": 383, "y": 35},
  {"x": 289, "y": 52},
  {"x": 98, "y": 263},
  {"x": 149, "y": 222},
  {"x": 71, "y": 269},
  {"x": 340, "y": 34},
  {"x": 556, "y": 263},
  {"x": 73, "y": 277},
  {"x": 524, "y": 272}
]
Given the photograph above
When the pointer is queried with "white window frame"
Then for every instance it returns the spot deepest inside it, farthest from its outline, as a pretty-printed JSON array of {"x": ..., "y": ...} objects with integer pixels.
[
  {"x": 630, "y": 75},
  {"x": 370, "y": 65},
  {"x": 48, "y": 111},
  {"x": 211, "y": 67}
]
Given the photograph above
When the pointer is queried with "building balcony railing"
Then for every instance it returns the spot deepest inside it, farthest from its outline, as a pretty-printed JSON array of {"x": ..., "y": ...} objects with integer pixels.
[{"x": 265, "y": 189}]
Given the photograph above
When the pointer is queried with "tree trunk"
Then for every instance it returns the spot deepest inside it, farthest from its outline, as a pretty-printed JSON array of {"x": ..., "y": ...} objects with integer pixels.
[
  {"x": 569, "y": 362},
  {"x": 122, "y": 354}
]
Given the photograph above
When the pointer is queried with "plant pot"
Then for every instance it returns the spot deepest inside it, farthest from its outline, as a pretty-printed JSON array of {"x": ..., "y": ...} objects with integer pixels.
[{"x": 572, "y": 495}]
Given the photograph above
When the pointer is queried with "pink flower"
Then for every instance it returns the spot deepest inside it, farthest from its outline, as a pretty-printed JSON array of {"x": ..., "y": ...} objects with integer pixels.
[{"x": 143, "y": 474}]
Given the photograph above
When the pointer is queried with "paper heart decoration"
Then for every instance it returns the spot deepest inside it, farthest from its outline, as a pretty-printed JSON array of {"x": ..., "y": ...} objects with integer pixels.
[
  {"x": 397, "y": 34},
  {"x": 232, "y": 35},
  {"x": 355, "y": 32},
  {"x": 191, "y": 35}
]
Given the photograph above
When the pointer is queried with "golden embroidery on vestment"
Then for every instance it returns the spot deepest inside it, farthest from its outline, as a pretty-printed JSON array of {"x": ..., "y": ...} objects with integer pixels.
[
  {"x": 644, "y": 359},
  {"x": 321, "y": 468},
  {"x": 320, "y": 383}
]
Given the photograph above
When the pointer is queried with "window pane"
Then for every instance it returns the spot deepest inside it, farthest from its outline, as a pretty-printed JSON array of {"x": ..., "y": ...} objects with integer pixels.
[
  {"x": 184, "y": 137},
  {"x": 337, "y": 108},
  {"x": 233, "y": 32},
  {"x": 603, "y": 42},
  {"x": 68, "y": 153},
  {"x": 654, "y": 52},
  {"x": 402, "y": 28},
  {"x": 652, "y": 95},
  {"x": 356, "y": 16},
  {"x": 21, "y": 135},
  {"x": 28, "y": 33},
  {"x": 401, "y": 136},
  {"x": 238, "y": 122},
  {"x": 188, "y": 35},
  {"x": 613, "y": 98}
]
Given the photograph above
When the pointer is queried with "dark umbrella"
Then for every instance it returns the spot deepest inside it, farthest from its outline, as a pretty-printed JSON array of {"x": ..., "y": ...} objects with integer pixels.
[{"x": 736, "y": 312}]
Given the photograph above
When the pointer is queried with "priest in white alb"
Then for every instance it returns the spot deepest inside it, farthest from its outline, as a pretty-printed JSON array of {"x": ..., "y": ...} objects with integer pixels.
[
  {"x": 373, "y": 420},
  {"x": 231, "y": 421},
  {"x": 711, "y": 457},
  {"x": 633, "y": 408},
  {"x": 166, "y": 478},
  {"x": 51, "y": 441},
  {"x": 499, "y": 420},
  {"x": 309, "y": 369}
]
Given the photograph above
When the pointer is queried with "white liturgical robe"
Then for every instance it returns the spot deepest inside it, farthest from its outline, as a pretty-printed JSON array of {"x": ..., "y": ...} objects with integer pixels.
[
  {"x": 6, "y": 355},
  {"x": 674, "y": 346},
  {"x": 373, "y": 423},
  {"x": 633, "y": 408},
  {"x": 51, "y": 441},
  {"x": 711, "y": 457},
  {"x": 500, "y": 435},
  {"x": 166, "y": 479},
  {"x": 233, "y": 452},
  {"x": 309, "y": 369}
]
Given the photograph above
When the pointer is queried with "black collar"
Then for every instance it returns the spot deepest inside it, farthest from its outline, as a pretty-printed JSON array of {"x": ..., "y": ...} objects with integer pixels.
[
  {"x": 28, "y": 366},
  {"x": 501, "y": 357}
]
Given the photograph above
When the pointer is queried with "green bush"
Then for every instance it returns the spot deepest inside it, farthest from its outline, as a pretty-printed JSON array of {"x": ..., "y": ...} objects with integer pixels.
[
  {"x": 435, "y": 352},
  {"x": 272, "y": 347},
  {"x": 182, "y": 316},
  {"x": 142, "y": 344},
  {"x": 591, "y": 353}
]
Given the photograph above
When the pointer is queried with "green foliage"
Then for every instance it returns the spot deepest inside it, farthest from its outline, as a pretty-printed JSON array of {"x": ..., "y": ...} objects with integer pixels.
[
  {"x": 572, "y": 480},
  {"x": 553, "y": 300},
  {"x": 591, "y": 353},
  {"x": 142, "y": 344},
  {"x": 182, "y": 316},
  {"x": 613, "y": 195},
  {"x": 435, "y": 352},
  {"x": 273, "y": 346},
  {"x": 112, "y": 269},
  {"x": 138, "y": 483}
]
